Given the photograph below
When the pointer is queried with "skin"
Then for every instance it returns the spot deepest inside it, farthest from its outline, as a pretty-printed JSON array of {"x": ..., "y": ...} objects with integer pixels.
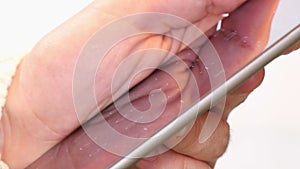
[{"x": 36, "y": 118}]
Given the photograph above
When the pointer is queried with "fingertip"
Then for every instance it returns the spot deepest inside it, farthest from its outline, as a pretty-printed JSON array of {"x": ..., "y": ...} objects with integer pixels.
[{"x": 252, "y": 83}]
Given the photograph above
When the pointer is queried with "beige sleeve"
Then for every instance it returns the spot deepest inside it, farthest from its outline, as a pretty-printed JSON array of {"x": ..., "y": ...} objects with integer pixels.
[{"x": 8, "y": 65}]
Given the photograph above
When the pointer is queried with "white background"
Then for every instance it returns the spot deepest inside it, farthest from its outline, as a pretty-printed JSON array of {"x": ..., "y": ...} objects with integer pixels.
[{"x": 265, "y": 130}]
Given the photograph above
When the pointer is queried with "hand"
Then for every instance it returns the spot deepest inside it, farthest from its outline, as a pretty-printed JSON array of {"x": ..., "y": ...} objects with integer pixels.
[{"x": 40, "y": 113}]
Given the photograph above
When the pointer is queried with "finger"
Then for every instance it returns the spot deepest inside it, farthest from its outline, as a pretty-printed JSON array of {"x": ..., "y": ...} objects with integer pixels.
[
  {"x": 250, "y": 34},
  {"x": 293, "y": 48},
  {"x": 245, "y": 34},
  {"x": 240, "y": 94},
  {"x": 172, "y": 160}
]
